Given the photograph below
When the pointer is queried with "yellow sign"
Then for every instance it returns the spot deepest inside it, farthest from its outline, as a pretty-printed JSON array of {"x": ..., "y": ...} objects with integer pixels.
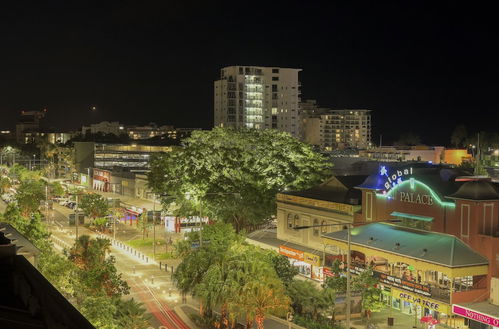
[
  {"x": 425, "y": 302},
  {"x": 312, "y": 259},
  {"x": 339, "y": 207}
]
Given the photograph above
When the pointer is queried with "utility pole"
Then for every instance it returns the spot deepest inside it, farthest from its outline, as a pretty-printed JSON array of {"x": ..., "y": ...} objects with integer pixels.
[
  {"x": 76, "y": 218},
  {"x": 154, "y": 227}
]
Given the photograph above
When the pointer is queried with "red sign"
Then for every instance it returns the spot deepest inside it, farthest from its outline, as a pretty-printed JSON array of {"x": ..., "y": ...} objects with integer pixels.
[
  {"x": 327, "y": 272},
  {"x": 102, "y": 175},
  {"x": 291, "y": 253}
]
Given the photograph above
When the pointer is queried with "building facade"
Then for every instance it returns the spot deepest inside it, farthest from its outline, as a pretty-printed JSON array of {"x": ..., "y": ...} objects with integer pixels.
[
  {"x": 440, "y": 200},
  {"x": 28, "y": 128},
  {"x": 259, "y": 98},
  {"x": 104, "y": 127},
  {"x": 332, "y": 129},
  {"x": 432, "y": 154}
]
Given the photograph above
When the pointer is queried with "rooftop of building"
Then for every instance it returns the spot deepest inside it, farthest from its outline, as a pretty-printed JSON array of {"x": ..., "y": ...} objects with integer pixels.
[
  {"x": 439, "y": 178},
  {"x": 478, "y": 190},
  {"x": 432, "y": 247},
  {"x": 339, "y": 189},
  {"x": 27, "y": 299}
]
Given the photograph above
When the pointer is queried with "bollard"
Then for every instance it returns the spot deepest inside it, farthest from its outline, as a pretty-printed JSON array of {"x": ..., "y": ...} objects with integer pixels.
[
  {"x": 147, "y": 259},
  {"x": 169, "y": 292},
  {"x": 133, "y": 269},
  {"x": 152, "y": 279},
  {"x": 160, "y": 266}
]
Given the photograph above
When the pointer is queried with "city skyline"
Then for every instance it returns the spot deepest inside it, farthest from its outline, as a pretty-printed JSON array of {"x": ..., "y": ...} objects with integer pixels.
[{"x": 157, "y": 63}]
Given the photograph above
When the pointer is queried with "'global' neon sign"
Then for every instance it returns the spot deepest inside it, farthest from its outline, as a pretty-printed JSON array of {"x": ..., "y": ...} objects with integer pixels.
[{"x": 395, "y": 178}]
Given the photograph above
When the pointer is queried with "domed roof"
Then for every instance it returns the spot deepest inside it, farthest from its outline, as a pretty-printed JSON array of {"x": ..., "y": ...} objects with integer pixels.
[{"x": 476, "y": 190}]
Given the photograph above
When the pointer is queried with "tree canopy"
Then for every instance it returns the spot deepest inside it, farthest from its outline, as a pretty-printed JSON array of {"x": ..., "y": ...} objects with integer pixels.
[
  {"x": 234, "y": 175},
  {"x": 94, "y": 205}
]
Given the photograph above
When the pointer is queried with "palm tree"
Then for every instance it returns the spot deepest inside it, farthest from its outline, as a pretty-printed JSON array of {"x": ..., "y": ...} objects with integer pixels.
[
  {"x": 87, "y": 251},
  {"x": 131, "y": 315}
]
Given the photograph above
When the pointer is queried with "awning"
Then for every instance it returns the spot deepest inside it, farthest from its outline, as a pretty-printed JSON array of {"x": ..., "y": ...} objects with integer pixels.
[{"x": 411, "y": 216}]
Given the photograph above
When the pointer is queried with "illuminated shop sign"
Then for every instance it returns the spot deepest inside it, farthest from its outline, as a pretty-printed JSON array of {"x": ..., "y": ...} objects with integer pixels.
[
  {"x": 421, "y": 301},
  {"x": 410, "y": 197},
  {"x": 395, "y": 178},
  {"x": 474, "y": 315},
  {"x": 418, "y": 288},
  {"x": 396, "y": 282}
]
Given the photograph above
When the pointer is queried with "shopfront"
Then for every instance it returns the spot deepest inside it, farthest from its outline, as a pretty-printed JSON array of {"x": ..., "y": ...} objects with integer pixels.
[
  {"x": 101, "y": 180},
  {"x": 478, "y": 315},
  {"x": 419, "y": 272},
  {"x": 307, "y": 263}
]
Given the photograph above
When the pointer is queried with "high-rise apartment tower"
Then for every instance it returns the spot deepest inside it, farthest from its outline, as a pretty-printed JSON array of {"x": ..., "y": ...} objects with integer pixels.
[{"x": 258, "y": 97}]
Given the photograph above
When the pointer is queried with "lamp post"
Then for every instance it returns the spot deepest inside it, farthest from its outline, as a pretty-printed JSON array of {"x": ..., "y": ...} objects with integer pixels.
[{"x": 348, "y": 296}]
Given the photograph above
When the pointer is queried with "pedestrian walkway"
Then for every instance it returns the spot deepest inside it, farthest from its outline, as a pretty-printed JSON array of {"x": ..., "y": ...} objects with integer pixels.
[{"x": 400, "y": 321}]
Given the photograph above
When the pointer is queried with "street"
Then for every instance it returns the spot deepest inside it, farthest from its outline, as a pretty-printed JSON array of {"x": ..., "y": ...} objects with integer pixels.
[{"x": 148, "y": 284}]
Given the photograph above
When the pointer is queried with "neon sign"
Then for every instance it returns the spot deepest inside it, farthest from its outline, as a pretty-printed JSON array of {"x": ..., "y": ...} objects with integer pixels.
[
  {"x": 413, "y": 183},
  {"x": 394, "y": 178}
]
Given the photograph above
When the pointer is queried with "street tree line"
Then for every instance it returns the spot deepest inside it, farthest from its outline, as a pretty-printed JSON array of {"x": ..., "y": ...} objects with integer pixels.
[{"x": 84, "y": 273}]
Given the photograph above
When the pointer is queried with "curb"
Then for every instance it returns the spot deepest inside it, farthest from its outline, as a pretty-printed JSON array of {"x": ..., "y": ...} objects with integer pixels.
[{"x": 180, "y": 312}]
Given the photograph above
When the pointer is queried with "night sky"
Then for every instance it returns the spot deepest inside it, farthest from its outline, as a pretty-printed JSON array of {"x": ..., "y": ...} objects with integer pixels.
[{"x": 420, "y": 66}]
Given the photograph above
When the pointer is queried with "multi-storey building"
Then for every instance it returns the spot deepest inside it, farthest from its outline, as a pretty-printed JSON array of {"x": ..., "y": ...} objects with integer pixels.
[
  {"x": 332, "y": 129},
  {"x": 104, "y": 127},
  {"x": 28, "y": 126},
  {"x": 258, "y": 98},
  {"x": 149, "y": 131}
]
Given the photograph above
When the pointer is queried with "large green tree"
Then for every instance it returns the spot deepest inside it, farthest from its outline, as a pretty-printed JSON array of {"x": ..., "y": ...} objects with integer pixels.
[
  {"x": 98, "y": 274},
  {"x": 94, "y": 205},
  {"x": 29, "y": 195},
  {"x": 234, "y": 175}
]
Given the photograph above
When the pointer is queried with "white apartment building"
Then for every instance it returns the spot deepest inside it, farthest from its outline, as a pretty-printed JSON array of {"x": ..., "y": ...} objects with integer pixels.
[
  {"x": 258, "y": 97},
  {"x": 335, "y": 129}
]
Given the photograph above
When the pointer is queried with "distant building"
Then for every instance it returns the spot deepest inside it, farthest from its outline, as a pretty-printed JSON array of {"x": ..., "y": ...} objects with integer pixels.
[
  {"x": 432, "y": 154},
  {"x": 152, "y": 130},
  {"x": 59, "y": 137},
  {"x": 148, "y": 131},
  {"x": 258, "y": 97},
  {"x": 104, "y": 127},
  {"x": 28, "y": 129},
  {"x": 117, "y": 157},
  {"x": 332, "y": 129}
]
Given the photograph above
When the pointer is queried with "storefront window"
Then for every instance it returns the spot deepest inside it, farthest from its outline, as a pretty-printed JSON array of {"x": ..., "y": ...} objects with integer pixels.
[
  {"x": 296, "y": 221},
  {"x": 316, "y": 229},
  {"x": 323, "y": 228},
  {"x": 396, "y": 303},
  {"x": 290, "y": 221}
]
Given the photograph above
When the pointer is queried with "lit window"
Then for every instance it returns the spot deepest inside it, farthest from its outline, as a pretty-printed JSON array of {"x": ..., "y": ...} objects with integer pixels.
[
  {"x": 316, "y": 229},
  {"x": 296, "y": 221},
  {"x": 323, "y": 228},
  {"x": 290, "y": 221}
]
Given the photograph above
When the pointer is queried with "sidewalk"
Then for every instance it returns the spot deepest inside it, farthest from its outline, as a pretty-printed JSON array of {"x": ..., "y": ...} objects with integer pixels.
[{"x": 400, "y": 321}]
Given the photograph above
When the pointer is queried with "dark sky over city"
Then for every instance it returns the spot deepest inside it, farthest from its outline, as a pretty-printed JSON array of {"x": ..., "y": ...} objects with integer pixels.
[{"x": 420, "y": 66}]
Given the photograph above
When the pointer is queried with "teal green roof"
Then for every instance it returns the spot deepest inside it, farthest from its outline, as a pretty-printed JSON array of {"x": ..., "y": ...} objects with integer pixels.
[
  {"x": 437, "y": 248},
  {"x": 411, "y": 216}
]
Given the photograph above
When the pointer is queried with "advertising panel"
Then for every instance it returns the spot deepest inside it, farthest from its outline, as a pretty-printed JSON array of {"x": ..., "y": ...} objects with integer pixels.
[
  {"x": 291, "y": 253},
  {"x": 474, "y": 315}
]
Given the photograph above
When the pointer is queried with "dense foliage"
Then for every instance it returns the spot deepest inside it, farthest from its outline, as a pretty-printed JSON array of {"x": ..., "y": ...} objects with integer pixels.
[
  {"x": 227, "y": 274},
  {"x": 85, "y": 276}
]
